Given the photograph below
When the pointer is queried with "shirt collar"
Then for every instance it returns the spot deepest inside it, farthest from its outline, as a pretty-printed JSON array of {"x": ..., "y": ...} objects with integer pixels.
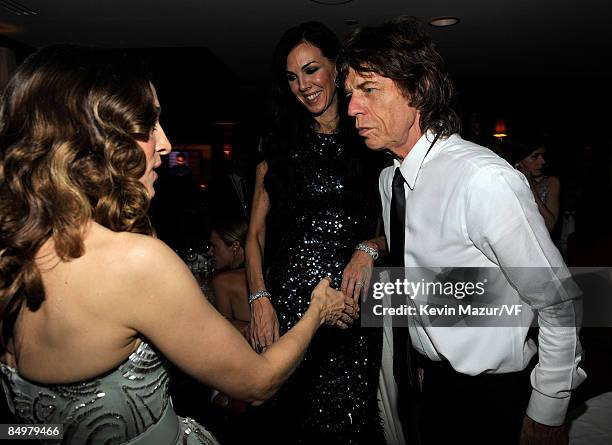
[{"x": 411, "y": 165}]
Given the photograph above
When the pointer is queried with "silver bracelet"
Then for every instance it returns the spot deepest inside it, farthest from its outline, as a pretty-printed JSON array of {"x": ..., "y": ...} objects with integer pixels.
[
  {"x": 368, "y": 249},
  {"x": 257, "y": 295}
]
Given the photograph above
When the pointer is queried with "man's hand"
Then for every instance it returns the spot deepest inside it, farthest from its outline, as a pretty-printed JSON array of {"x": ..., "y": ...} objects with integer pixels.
[
  {"x": 356, "y": 275},
  {"x": 263, "y": 329},
  {"x": 534, "y": 433}
]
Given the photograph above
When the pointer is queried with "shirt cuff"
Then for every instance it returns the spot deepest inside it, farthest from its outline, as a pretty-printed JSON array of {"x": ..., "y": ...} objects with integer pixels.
[{"x": 547, "y": 410}]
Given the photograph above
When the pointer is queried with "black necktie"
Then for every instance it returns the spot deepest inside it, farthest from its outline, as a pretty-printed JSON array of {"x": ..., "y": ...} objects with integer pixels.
[
  {"x": 404, "y": 365},
  {"x": 398, "y": 215}
]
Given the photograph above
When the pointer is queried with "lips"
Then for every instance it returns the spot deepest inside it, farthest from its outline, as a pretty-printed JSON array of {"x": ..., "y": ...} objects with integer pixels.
[
  {"x": 362, "y": 130},
  {"x": 312, "y": 98}
]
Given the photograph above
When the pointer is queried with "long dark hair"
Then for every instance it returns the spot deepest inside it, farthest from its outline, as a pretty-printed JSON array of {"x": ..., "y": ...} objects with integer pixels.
[
  {"x": 402, "y": 51},
  {"x": 291, "y": 125},
  {"x": 70, "y": 122}
]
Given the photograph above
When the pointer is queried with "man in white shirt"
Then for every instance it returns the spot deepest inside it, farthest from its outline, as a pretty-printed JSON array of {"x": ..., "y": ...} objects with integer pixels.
[{"x": 464, "y": 207}]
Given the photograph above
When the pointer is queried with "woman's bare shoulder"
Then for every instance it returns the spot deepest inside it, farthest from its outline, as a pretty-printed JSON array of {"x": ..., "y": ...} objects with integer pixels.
[
  {"x": 129, "y": 249},
  {"x": 231, "y": 280},
  {"x": 554, "y": 181},
  {"x": 141, "y": 263}
]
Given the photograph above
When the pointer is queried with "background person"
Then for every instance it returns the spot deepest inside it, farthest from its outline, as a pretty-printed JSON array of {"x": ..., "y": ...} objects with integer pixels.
[
  {"x": 229, "y": 284},
  {"x": 180, "y": 168},
  {"x": 529, "y": 159}
]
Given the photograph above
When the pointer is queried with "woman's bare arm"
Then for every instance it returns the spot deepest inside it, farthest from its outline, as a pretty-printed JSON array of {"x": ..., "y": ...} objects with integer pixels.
[
  {"x": 166, "y": 306},
  {"x": 264, "y": 328}
]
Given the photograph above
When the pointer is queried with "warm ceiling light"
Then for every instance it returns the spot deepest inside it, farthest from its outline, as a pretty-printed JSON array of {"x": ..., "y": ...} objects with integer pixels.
[
  {"x": 444, "y": 21},
  {"x": 8, "y": 28},
  {"x": 224, "y": 124},
  {"x": 501, "y": 130},
  {"x": 331, "y": 2}
]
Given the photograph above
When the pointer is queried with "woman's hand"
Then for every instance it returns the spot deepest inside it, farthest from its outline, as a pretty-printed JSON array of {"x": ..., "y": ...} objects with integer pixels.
[
  {"x": 356, "y": 275},
  {"x": 336, "y": 308},
  {"x": 263, "y": 329}
]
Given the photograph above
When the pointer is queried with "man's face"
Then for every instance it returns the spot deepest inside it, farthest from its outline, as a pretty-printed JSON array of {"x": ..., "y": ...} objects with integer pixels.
[{"x": 383, "y": 115}]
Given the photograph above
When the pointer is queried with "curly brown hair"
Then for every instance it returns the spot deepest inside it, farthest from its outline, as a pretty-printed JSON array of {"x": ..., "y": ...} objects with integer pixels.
[{"x": 70, "y": 119}]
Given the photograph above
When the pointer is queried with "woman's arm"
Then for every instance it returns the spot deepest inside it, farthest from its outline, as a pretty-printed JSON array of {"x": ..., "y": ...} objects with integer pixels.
[
  {"x": 264, "y": 323},
  {"x": 550, "y": 208},
  {"x": 166, "y": 306}
]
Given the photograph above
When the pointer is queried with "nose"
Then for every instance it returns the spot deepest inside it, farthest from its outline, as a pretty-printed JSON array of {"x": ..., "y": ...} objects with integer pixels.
[
  {"x": 354, "y": 107},
  {"x": 303, "y": 84},
  {"x": 162, "y": 144},
  {"x": 210, "y": 251}
]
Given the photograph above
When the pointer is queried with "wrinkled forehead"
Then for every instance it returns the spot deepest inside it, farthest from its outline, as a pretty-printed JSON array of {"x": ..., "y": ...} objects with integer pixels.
[
  {"x": 357, "y": 79},
  {"x": 354, "y": 78}
]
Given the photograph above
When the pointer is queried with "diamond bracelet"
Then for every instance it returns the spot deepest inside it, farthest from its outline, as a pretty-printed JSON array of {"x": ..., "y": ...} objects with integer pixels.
[
  {"x": 256, "y": 295},
  {"x": 368, "y": 249}
]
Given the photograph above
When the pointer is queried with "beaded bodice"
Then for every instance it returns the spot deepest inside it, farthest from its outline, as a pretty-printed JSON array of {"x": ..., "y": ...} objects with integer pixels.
[{"x": 112, "y": 408}]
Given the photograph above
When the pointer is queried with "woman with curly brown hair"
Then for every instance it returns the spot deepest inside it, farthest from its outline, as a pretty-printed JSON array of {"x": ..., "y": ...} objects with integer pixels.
[{"x": 90, "y": 301}]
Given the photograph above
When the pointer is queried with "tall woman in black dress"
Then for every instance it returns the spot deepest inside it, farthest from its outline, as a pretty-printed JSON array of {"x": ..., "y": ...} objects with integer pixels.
[{"x": 314, "y": 203}]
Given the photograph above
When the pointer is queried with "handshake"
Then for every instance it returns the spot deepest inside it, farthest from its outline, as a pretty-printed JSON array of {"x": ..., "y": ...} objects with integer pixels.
[
  {"x": 328, "y": 305},
  {"x": 336, "y": 308}
]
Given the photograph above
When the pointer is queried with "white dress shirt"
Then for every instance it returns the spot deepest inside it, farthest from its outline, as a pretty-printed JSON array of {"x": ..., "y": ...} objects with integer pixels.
[{"x": 467, "y": 207}]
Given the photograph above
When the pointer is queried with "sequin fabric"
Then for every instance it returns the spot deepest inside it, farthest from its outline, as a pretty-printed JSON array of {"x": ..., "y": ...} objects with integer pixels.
[
  {"x": 331, "y": 398},
  {"x": 129, "y": 405}
]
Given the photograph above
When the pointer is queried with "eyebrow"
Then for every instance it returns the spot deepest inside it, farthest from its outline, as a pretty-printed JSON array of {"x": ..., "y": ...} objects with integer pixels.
[{"x": 366, "y": 84}]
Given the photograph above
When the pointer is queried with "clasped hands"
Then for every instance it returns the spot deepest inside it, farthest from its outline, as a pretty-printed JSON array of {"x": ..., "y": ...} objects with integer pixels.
[{"x": 339, "y": 310}]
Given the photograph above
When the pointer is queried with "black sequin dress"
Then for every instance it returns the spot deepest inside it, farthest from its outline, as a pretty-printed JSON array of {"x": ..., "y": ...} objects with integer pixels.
[{"x": 331, "y": 398}]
